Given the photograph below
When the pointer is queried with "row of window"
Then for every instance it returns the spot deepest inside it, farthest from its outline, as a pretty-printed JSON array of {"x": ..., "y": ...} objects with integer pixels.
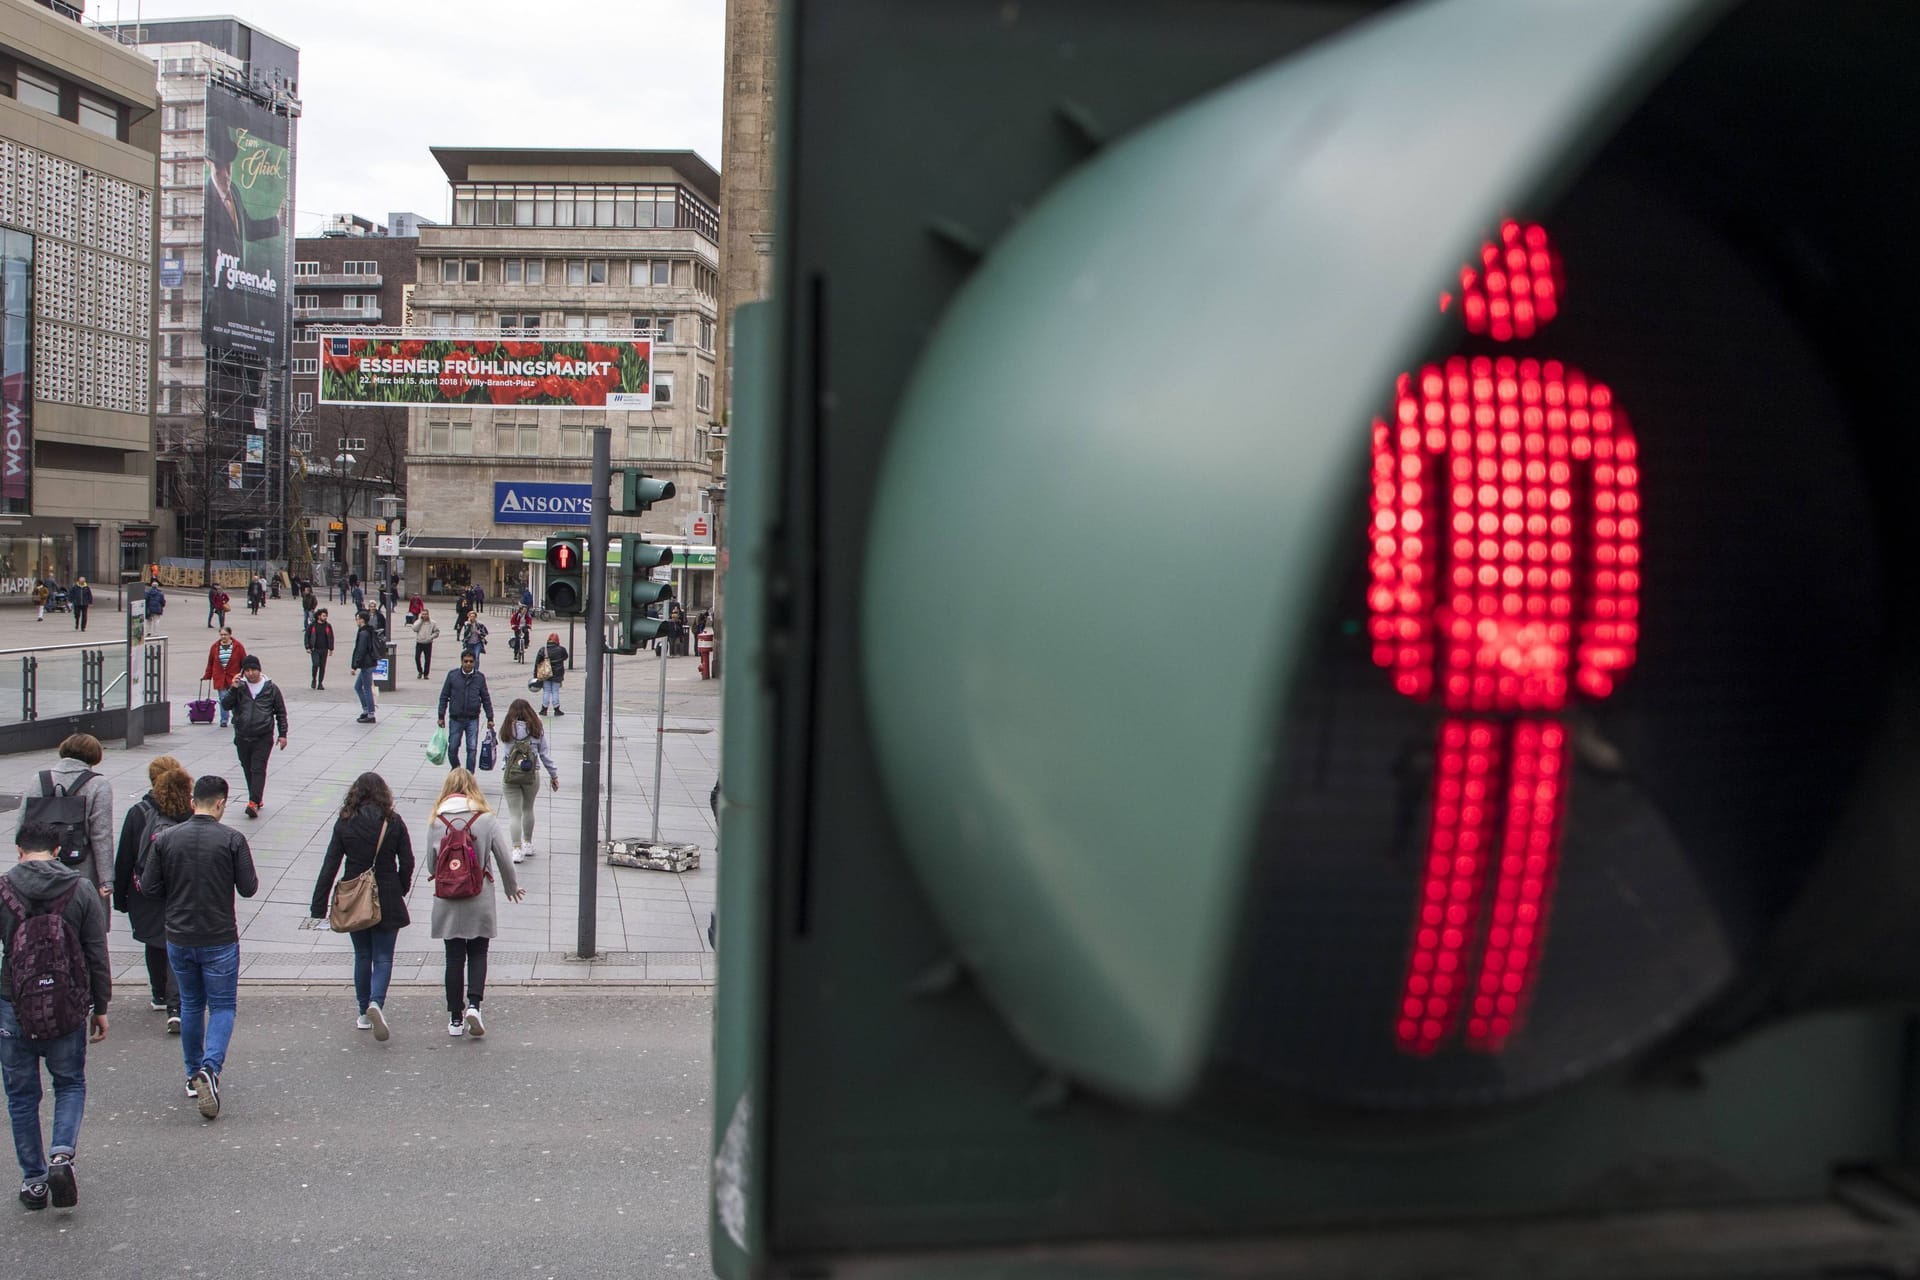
[
  {"x": 530, "y": 204},
  {"x": 662, "y": 398},
  {"x": 644, "y": 272},
  {"x": 348, "y": 268},
  {"x": 45, "y": 91},
  {"x": 663, "y": 327},
  {"x": 522, "y": 440},
  {"x": 362, "y": 301}
]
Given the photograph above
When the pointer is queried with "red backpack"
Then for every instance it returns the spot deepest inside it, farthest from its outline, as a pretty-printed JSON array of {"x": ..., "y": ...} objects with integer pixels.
[
  {"x": 51, "y": 994},
  {"x": 459, "y": 869}
]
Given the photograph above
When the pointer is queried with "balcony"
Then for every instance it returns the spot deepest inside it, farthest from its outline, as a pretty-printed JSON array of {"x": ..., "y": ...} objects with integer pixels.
[
  {"x": 312, "y": 315},
  {"x": 335, "y": 280}
]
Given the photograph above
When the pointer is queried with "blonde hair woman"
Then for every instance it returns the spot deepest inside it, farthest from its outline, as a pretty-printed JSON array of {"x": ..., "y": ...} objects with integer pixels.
[{"x": 466, "y": 925}]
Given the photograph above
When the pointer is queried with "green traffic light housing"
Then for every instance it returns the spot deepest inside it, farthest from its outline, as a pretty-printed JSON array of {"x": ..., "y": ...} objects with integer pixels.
[
  {"x": 566, "y": 591},
  {"x": 636, "y": 492},
  {"x": 637, "y": 591}
]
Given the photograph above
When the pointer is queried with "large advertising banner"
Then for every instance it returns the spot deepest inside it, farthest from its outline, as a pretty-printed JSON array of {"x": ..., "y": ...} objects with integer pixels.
[
  {"x": 16, "y": 373},
  {"x": 581, "y": 374},
  {"x": 246, "y": 217}
]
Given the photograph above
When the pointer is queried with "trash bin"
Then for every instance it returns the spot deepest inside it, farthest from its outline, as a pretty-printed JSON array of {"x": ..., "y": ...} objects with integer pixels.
[{"x": 387, "y": 675}]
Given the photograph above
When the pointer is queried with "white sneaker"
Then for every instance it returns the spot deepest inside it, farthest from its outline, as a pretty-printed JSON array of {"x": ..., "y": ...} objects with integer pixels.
[
  {"x": 363, "y": 1023},
  {"x": 456, "y": 1028},
  {"x": 475, "y": 1027},
  {"x": 519, "y": 853},
  {"x": 379, "y": 1021}
]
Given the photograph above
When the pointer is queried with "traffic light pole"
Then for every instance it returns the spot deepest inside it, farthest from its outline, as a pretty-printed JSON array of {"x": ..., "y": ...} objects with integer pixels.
[{"x": 596, "y": 612}]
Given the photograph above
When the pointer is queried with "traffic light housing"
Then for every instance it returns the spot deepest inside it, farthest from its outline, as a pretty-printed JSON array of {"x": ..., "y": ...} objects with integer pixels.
[
  {"x": 637, "y": 592},
  {"x": 635, "y": 491},
  {"x": 566, "y": 563},
  {"x": 1041, "y": 931}
]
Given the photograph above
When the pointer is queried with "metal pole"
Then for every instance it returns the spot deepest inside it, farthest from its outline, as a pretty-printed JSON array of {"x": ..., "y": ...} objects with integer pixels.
[
  {"x": 659, "y": 739},
  {"x": 596, "y": 611},
  {"x": 609, "y": 830}
]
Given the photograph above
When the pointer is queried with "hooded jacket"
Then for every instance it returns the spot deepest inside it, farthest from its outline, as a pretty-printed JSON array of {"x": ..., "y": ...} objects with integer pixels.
[
  {"x": 256, "y": 714},
  {"x": 99, "y": 796},
  {"x": 172, "y": 800},
  {"x": 351, "y": 852},
  {"x": 39, "y": 882},
  {"x": 196, "y": 868}
]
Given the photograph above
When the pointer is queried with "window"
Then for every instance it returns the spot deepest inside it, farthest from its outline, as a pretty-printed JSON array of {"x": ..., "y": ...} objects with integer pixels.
[
  {"x": 439, "y": 437},
  {"x": 573, "y": 442},
  {"x": 473, "y": 270},
  {"x": 597, "y": 271},
  {"x": 660, "y": 326},
  {"x": 364, "y": 301},
  {"x": 702, "y": 393},
  {"x": 637, "y": 442},
  {"x": 305, "y": 301},
  {"x": 360, "y": 268},
  {"x": 175, "y": 342},
  {"x": 706, "y": 334},
  {"x": 530, "y": 439},
  {"x": 536, "y": 271},
  {"x": 304, "y": 401},
  {"x": 350, "y": 444},
  {"x": 465, "y": 320},
  {"x": 38, "y": 89},
  {"x": 576, "y": 271},
  {"x": 662, "y": 271},
  {"x": 511, "y": 270},
  {"x": 306, "y": 268},
  {"x": 176, "y": 308},
  {"x": 574, "y": 322},
  {"x": 662, "y": 388},
  {"x": 303, "y": 441},
  {"x": 519, "y": 321},
  {"x": 98, "y": 115},
  {"x": 450, "y": 271},
  {"x": 517, "y": 438},
  {"x": 306, "y": 364},
  {"x": 597, "y": 324},
  {"x": 440, "y": 320},
  {"x": 637, "y": 271}
]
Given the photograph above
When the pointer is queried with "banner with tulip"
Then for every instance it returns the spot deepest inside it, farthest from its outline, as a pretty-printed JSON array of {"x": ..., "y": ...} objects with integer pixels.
[{"x": 505, "y": 372}]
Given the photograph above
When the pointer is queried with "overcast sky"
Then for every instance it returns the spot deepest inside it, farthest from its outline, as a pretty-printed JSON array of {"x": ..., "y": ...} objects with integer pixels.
[{"x": 383, "y": 80}]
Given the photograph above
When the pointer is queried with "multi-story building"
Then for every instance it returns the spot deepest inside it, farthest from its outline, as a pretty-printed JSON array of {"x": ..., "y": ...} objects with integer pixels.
[
  {"x": 223, "y": 394},
  {"x": 348, "y": 461},
  {"x": 79, "y": 137},
  {"x": 566, "y": 242}
]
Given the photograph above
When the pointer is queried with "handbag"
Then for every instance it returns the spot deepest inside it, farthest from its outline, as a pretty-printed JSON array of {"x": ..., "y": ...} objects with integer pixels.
[
  {"x": 543, "y": 669},
  {"x": 356, "y": 902},
  {"x": 437, "y": 747},
  {"x": 488, "y": 746}
]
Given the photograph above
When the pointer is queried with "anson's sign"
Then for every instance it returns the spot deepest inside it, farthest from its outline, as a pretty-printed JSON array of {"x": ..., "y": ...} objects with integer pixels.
[{"x": 533, "y": 502}]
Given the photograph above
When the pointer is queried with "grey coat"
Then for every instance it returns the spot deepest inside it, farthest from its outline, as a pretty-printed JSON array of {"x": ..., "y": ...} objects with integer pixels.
[
  {"x": 471, "y": 917},
  {"x": 98, "y": 793}
]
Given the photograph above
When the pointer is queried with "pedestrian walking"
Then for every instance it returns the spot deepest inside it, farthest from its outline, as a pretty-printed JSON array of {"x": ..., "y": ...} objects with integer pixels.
[
  {"x": 471, "y": 849},
  {"x": 169, "y": 800},
  {"x": 53, "y": 932},
  {"x": 224, "y": 657},
  {"x": 41, "y": 593},
  {"x": 526, "y": 740},
  {"x": 415, "y": 606},
  {"x": 464, "y": 698},
  {"x": 473, "y": 637},
  {"x": 307, "y": 606},
  {"x": 256, "y": 596},
  {"x": 156, "y": 599},
  {"x": 78, "y": 803},
  {"x": 358, "y": 595},
  {"x": 425, "y": 632},
  {"x": 81, "y": 598},
  {"x": 195, "y": 868},
  {"x": 550, "y": 669},
  {"x": 367, "y": 652},
  {"x": 319, "y": 643},
  {"x": 217, "y": 602},
  {"x": 258, "y": 708},
  {"x": 370, "y": 838}
]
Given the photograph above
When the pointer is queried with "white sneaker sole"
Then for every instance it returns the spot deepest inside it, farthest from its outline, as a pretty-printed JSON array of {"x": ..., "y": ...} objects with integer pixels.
[
  {"x": 379, "y": 1021},
  {"x": 475, "y": 1027}
]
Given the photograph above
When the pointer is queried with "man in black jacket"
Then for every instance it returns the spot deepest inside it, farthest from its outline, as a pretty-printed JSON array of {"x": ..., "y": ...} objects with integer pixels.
[
  {"x": 197, "y": 867},
  {"x": 257, "y": 707},
  {"x": 36, "y": 883},
  {"x": 319, "y": 642},
  {"x": 464, "y": 697},
  {"x": 367, "y": 652}
]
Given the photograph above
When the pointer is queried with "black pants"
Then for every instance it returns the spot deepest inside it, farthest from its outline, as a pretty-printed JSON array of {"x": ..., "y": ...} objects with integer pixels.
[
  {"x": 160, "y": 978},
  {"x": 466, "y": 973},
  {"x": 80, "y": 617},
  {"x": 319, "y": 680},
  {"x": 423, "y": 659},
  {"x": 253, "y": 753}
]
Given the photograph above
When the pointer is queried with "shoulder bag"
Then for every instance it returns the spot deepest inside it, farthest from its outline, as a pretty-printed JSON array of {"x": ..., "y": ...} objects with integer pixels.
[{"x": 356, "y": 902}]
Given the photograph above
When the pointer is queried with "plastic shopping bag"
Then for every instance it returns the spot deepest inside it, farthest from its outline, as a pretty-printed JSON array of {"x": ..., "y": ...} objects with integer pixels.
[{"x": 437, "y": 747}]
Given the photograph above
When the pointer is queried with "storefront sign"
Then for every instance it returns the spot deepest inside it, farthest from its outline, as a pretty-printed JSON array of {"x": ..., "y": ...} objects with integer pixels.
[{"x": 532, "y": 502}]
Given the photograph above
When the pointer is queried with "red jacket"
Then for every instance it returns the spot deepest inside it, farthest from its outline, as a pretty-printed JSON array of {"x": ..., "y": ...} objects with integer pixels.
[{"x": 223, "y": 676}]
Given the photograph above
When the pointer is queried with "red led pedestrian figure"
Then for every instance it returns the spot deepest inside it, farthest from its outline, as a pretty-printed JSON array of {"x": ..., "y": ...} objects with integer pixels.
[{"x": 1505, "y": 577}]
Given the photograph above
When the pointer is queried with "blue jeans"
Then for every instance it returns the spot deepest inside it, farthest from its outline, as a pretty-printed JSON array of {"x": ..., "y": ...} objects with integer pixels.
[
  {"x": 209, "y": 979},
  {"x": 549, "y": 693},
  {"x": 372, "y": 965},
  {"x": 470, "y": 731},
  {"x": 363, "y": 687},
  {"x": 66, "y": 1060}
]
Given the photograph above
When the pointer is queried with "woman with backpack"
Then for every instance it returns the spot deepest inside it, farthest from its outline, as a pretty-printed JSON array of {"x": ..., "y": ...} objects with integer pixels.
[
  {"x": 470, "y": 846},
  {"x": 370, "y": 836},
  {"x": 526, "y": 754},
  {"x": 169, "y": 800},
  {"x": 549, "y": 669},
  {"x": 224, "y": 657}
]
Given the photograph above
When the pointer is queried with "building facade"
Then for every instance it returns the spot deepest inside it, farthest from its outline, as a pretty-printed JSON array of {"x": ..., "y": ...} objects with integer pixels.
[
  {"x": 223, "y": 401},
  {"x": 349, "y": 463},
  {"x": 79, "y": 141},
  {"x": 575, "y": 246}
]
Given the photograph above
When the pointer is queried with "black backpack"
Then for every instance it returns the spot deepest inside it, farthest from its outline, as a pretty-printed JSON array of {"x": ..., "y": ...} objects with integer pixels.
[
  {"x": 66, "y": 811},
  {"x": 51, "y": 994}
]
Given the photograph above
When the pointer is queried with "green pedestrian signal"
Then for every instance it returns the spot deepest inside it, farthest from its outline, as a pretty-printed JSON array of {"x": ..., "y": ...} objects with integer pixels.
[
  {"x": 638, "y": 591},
  {"x": 566, "y": 590}
]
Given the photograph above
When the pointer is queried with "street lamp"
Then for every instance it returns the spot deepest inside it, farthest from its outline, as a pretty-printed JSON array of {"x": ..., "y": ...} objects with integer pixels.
[{"x": 343, "y": 463}]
